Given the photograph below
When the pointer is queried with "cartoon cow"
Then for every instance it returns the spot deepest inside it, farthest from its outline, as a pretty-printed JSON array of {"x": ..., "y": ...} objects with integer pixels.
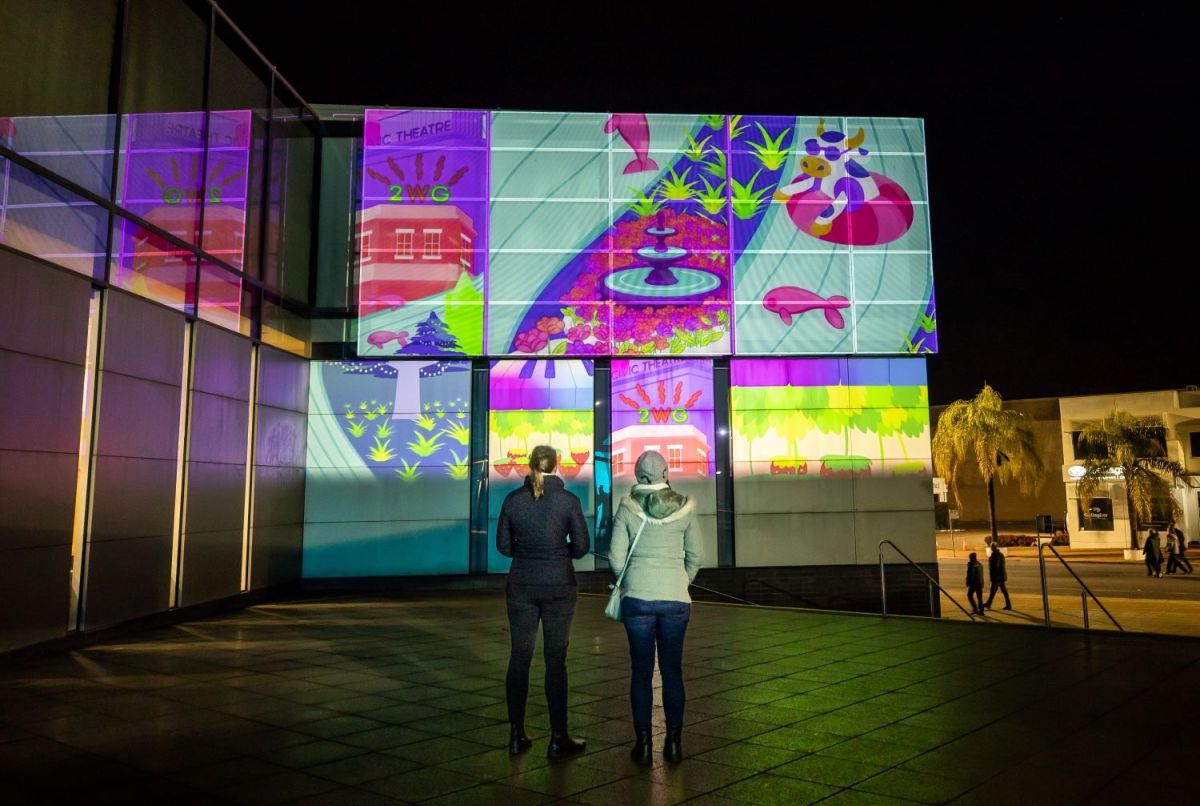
[{"x": 862, "y": 208}]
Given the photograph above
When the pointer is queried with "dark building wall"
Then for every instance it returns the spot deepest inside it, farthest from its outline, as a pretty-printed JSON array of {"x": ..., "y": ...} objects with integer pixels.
[
  {"x": 130, "y": 558},
  {"x": 43, "y": 349},
  {"x": 281, "y": 430},
  {"x": 134, "y": 481},
  {"x": 1011, "y": 504},
  {"x": 218, "y": 425}
]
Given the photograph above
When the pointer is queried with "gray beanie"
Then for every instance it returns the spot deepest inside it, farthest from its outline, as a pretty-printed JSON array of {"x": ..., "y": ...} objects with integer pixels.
[{"x": 651, "y": 468}]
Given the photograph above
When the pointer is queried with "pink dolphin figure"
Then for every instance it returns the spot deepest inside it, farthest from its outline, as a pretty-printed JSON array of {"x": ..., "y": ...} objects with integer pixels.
[
  {"x": 636, "y": 131},
  {"x": 381, "y": 337},
  {"x": 787, "y": 300}
]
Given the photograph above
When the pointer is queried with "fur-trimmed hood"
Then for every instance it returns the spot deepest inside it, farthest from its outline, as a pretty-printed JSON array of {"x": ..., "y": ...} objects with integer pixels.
[{"x": 659, "y": 502}]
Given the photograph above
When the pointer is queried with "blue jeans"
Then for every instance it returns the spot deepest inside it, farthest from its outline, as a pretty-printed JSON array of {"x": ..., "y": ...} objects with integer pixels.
[{"x": 650, "y": 624}]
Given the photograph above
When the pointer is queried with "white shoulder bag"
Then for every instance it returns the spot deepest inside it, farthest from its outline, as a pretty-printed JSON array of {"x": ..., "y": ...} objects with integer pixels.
[{"x": 612, "y": 610}]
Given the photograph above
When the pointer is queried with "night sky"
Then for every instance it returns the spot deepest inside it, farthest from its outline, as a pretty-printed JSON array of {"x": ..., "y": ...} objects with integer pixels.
[{"x": 1060, "y": 165}]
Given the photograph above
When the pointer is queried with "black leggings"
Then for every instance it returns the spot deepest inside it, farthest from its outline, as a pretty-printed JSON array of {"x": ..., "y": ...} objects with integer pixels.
[{"x": 554, "y": 606}]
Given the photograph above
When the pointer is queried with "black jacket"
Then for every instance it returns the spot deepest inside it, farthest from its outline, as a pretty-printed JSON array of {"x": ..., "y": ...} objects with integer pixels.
[
  {"x": 974, "y": 574},
  {"x": 1151, "y": 549},
  {"x": 996, "y": 569},
  {"x": 534, "y": 533}
]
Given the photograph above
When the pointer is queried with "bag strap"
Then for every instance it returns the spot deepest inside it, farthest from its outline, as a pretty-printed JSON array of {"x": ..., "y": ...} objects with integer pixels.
[{"x": 632, "y": 546}]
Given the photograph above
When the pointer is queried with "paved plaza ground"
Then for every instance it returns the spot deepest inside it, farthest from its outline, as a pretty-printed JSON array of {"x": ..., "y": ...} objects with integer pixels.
[{"x": 384, "y": 699}]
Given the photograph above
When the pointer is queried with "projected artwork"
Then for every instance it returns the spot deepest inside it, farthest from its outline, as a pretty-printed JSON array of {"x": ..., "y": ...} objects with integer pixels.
[
  {"x": 664, "y": 406},
  {"x": 830, "y": 418},
  {"x": 535, "y": 403},
  {"x": 423, "y": 233},
  {"x": 637, "y": 234},
  {"x": 388, "y": 466},
  {"x": 164, "y": 178}
]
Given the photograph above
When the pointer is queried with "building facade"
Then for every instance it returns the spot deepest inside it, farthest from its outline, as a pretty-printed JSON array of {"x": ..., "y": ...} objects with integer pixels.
[
  {"x": 249, "y": 342},
  {"x": 1056, "y": 423},
  {"x": 1106, "y": 524}
]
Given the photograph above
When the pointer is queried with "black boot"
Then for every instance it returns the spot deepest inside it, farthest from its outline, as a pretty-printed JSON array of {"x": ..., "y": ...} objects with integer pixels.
[
  {"x": 561, "y": 744},
  {"x": 673, "y": 746},
  {"x": 518, "y": 742},
  {"x": 643, "y": 751}
]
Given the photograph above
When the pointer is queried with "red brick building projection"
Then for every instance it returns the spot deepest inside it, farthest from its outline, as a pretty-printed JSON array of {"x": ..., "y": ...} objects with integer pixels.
[
  {"x": 685, "y": 447},
  {"x": 413, "y": 251}
]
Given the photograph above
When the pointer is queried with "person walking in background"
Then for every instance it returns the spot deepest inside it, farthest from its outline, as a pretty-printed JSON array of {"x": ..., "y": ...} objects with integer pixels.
[
  {"x": 656, "y": 607},
  {"x": 542, "y": 528},
  {"x": 975, "y": 584},
  {"x": 998, "y": 574},
  {"x": 1181, "y": 547},
  {"x": 1153, "y": 555},
  {"x": 1172, "y": 551}
]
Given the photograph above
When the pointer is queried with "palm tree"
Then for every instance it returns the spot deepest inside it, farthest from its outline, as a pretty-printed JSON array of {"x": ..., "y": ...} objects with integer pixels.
[
  {"x": 1002, "y": 442},
  {"x": 1131, "y": 449}
]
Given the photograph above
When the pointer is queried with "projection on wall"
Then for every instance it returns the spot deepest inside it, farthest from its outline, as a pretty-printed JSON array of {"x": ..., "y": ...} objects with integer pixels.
[
  {"x": 535, "y": 403},
  {"x": 665, "y": 235},
  {"x": 165, "y": 179},
  {"x": 830, "y": 456},
  {"x": 667, "y": 406},
  {"x": 388, "y": 465},
  {"x": 423, "y": 232},
  {"x": 828, "y": 417}
]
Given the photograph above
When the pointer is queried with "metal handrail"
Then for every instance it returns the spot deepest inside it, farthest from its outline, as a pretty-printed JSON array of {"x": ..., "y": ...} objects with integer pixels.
[
  {"x": 909, "y": 560},
  {"x": 722, "y": 593},
  {"x": 1084, "y": 593},
  {"x": 795, "y": 596},
  {"x": 745, "y": 584}
]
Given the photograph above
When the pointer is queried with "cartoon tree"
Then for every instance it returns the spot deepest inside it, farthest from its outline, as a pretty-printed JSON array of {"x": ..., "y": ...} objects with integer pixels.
[
  {"x": 793, "y": 427},
  {"x": 878, "y": 417},
  {"x": 845, "y": 402},
  {"x": 551, "y": 422},
  {"x": 755, "y": 423},
  {"x": 914, "y": 402},
  {"x": 750, "y": 419},
  {"x": 431, "y": 337}
]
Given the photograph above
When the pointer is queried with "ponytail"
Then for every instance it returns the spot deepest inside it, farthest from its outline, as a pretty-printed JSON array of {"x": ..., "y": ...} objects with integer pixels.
[{"x": 543, "y": 460}]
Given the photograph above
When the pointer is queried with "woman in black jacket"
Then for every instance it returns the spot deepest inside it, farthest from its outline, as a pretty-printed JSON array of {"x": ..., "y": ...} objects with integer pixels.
[{"x": 542, "y": 528}]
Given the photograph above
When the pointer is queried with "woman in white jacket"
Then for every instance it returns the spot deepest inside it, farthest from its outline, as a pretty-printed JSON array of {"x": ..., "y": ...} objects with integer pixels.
[{"x": 656, "y": 607}]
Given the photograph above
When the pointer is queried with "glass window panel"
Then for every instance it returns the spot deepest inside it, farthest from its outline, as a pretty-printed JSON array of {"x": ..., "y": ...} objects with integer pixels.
[
  {"x": 286, "y": 330},
  {"x": 42, "y": 219},
  {"x": 289, "y": 198},
  {"x": 238, "y": 83},
  {"x": 149, "y": 265},
  {"x": 161, "y": 172},
  {"x": 221, "y": 299}
]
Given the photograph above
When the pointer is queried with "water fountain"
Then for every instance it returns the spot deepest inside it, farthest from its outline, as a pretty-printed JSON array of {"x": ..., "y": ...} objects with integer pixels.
[{"x": 661, "y": 277}]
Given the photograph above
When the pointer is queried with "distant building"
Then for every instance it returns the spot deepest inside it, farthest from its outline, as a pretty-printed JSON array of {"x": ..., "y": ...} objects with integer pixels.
[
  {"x": 1107, "y": 524},
  {"x": 1057, "y": 423}
]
